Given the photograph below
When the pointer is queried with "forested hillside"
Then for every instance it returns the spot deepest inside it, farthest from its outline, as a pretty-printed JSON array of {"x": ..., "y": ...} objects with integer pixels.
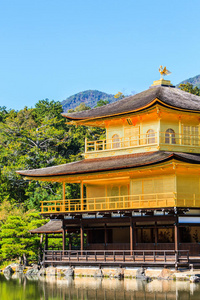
[
  {"x": 195, "y": 81},
  {"x": 90, "y": 98},
  {"x": 33, "y": 138}
]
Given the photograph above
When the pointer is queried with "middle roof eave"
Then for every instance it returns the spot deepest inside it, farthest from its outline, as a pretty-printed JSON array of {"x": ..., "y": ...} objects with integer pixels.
[{"x": 110, "y": 163}]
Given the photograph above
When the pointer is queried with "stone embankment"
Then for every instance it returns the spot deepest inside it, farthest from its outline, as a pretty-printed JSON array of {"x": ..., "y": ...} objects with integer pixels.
[{"x": 147, "y": 274}]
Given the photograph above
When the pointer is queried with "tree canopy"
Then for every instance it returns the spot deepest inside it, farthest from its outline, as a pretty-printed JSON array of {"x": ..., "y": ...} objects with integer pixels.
[
  {"x": 34, "y": 138},
  {"x": 188, "y": 87}
]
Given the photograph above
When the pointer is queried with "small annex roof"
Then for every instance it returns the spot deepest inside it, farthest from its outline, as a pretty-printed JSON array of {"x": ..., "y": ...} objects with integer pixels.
[
  {"x": 169, "y": 96},
  {"x": 111, "y": 163},
  {"x": 53, "y": 226}
]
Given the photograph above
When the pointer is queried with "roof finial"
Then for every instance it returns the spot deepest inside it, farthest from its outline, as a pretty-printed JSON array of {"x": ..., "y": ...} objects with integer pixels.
[
  {"x": 163, "y": 71},
  {"x": 162, "y": 82}
]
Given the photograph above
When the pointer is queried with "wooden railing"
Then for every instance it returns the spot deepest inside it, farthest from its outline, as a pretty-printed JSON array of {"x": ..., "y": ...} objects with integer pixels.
[
  {"x": 114, "y": 203},
  {"x": 118, "y": 203},
  {"x": 142, "y": 140},
  {"x": 121, "y": 142},
  {"x": 117, "y": 256},
  {"x": 179, "y": 139}
]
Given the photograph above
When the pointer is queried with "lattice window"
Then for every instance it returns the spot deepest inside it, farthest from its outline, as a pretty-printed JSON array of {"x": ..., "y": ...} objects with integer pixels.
[
  {"x": 131, "y": 136},
  {"x": 115, "y": 191},
  {"x": 190, "y": 135},
  {"x": 123, "y": 190},
  {"x": 162, "y": 185},
  {"x": 115, "y": 141}
]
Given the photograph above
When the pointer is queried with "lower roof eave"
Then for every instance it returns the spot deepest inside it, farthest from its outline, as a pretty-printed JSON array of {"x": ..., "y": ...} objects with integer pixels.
[{"x": 108, "y": 164}]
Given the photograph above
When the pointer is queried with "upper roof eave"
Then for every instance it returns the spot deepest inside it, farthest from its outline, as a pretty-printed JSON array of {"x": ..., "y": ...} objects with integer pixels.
[{"x": 169, "y": 97}]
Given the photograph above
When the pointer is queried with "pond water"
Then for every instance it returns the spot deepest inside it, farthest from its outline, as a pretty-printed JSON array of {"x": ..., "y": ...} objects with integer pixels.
[{"x": 51, "y": 288}]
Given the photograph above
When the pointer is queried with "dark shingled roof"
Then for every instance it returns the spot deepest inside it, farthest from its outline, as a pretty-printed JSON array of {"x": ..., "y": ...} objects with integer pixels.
[
  {"x": 170, "y": 96},
  {"x": 53, "y": 226},
  {"x": 111, "y": 163}
]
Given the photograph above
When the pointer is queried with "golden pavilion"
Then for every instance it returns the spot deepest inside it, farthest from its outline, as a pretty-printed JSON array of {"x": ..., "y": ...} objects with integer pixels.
[{"x": 139, "y": 187}]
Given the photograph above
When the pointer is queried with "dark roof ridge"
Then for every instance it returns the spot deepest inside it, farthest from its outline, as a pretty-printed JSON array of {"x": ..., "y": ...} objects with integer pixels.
[
  {"x": 173, "y": 97},
  {"x": 52, "y": 167},
  {"x": 69, "y": 115}
]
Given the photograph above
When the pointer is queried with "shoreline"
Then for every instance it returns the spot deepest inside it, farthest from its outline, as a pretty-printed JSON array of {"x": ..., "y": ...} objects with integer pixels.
[{"x": 146, "y": 274}]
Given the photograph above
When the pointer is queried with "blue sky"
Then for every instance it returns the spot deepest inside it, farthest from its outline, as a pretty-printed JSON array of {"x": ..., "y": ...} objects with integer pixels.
[{"x": 56, "y": 48}]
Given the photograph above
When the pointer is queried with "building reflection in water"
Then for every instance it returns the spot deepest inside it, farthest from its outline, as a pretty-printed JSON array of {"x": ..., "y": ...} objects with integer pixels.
[
  {"x": 91, "y": 288},
  {"x": 88, "y": 288}
]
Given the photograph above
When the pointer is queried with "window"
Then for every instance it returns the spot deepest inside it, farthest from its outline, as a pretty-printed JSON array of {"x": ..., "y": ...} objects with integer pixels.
[
  {"x": 115, "y": 141},
  {"x": 170, "y": 136},
  {"x": 151, "y": 139},
  {"x": 190, "y": 135},
  {"x": 115, "y": 191},
  {"x": 131, "y": 136}
]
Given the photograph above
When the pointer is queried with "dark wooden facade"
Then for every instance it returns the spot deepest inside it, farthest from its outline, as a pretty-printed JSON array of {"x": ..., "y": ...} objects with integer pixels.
[{"x": 125, "y": 232}]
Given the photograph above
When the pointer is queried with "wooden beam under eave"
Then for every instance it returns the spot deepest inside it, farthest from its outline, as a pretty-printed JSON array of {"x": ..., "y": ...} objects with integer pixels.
[{"x": 131, "y": 172}]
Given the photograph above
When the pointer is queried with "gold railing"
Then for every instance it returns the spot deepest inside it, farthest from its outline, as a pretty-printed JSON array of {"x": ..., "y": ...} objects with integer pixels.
[
  {"x": 142, "y": 140},
  {"x": 114, "y": 203},
  {"x": 179, "y": 139},
  {"x": 118, "y": 143}
]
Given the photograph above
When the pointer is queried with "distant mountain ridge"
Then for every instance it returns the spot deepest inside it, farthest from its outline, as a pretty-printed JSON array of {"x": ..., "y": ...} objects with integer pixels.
[
  {"x": 89, "y": 97},
  {"x": 195, "y": 81}
]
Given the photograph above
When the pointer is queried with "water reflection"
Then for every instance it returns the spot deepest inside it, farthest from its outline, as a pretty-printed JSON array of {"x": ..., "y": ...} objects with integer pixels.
[{"x": 51, "y": 288}]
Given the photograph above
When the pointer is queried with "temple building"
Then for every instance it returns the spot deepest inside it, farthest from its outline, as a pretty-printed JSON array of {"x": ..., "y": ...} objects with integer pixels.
[{"x": 140, "y": 186}]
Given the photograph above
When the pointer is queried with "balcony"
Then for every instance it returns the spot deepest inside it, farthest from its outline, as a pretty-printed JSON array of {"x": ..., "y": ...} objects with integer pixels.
[
  {"x": 118, "y": 203},
  {"x": 151, "y": 141}
]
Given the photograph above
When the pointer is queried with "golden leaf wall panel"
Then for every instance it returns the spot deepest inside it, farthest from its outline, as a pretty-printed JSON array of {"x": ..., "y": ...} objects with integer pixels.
[
  {"x": 188, "y": 187},
  {"x": 162, "y": 184},
  {"x": 95, "y": 191}
]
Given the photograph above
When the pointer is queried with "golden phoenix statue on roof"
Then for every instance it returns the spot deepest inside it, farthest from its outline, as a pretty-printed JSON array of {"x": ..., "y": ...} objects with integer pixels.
[{"x": 164, "y": 71}]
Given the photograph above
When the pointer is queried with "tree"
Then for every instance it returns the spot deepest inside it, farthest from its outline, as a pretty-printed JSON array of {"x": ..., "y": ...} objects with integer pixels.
[
  {"x": 3, "y": 113},
  {"x": 36, "y": 138},
  {"x": 30, "y": 138},
  {"x": 80, "y": 107},
  {"x": 119, "y": 96},
  {"x": 101, "y": 103},
  {"x": 15, "y": 231},
  {"x": 188, "y": 87}
]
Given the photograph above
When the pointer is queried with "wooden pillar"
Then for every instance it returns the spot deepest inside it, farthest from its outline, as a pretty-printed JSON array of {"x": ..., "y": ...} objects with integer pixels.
[
  {"x": 176, "y": 235},
  {"x": 82, "y": 237},
  {"x": 176, "y": 242},
  {"x": 136, "y": 237},
  {"x": 156, "y": 235},
  {"x": 105, "y": 236},
  {"x": 46, "y": 241},
  {"x": 64, "y": 237},
  {"x": 180, "y": 131},
  {"x": 81, "y": 193},
  {"x": 63, "y": 207},
  {"x": 40, "y": 249},
  {"x": 131, "y": 235}
]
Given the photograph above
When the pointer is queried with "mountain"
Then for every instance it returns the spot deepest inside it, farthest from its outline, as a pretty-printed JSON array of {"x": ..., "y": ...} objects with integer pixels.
[
  {"x": 89, "y": 97},
  {"x": 195, "y": 81}
]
